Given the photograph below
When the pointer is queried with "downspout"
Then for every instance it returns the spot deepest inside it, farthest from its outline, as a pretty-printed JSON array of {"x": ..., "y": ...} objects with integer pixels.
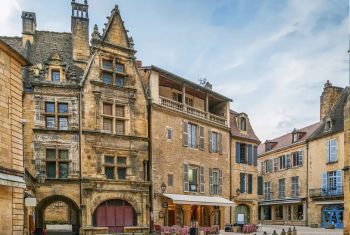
[
  {"x": 307, "y": 183},
  {"x": 80, "y": 157},
  {"x": 230, "y": 176}
]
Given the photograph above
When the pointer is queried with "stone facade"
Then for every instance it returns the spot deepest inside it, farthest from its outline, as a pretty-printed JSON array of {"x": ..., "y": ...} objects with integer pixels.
[{"x": 11, "y": 141}]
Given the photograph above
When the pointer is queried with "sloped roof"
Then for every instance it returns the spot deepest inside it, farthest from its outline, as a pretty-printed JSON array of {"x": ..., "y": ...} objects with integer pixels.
[
  {"x": 336, "y": 116},
  {"x": 286, "y": 140},
  {"x": 235, "y": 132}
]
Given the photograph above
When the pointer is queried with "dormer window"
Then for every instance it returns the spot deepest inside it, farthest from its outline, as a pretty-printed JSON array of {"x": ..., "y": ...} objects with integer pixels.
[
  {"x": 269, "y": 145},
  {"x": 295, "y": 137},
  {"x": 55, "y": 75},
  {"x": 328, "y": 125},
  {"x": 243, "y": 124}
]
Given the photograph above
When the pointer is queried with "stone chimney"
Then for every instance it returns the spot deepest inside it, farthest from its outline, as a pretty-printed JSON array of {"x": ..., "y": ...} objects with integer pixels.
[
  {"x": 328, "y": 98},
  {"x": 80, "y": 32},
  {"x": 28, "y": 27}
]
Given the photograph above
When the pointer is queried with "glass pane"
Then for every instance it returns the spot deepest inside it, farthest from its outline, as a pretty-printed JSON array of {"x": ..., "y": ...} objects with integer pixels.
[
  {"x": 63, "y": 154},
  {"x": 119, "y": 68},
  {"x": 49, "y": 107},
  {"x": 51, "y": 169},
  {"x": 107, "y": 78},
  {"x": 107, "y": 64},
  {"x": 107, "y": 124},
  {"x": 109, "y": 159},
  {"x": 62, "y": 107},
  {"x": 63, "y": 123},
  {"x": 120, "y": 127},
  {"x": 119, "y": 111},
  {"x": 107, "y": 109},
  {"x": 50, "y": 122},
  {"x": 121, "y": 173},
  {"x": 121, "y": 161},
  {"x": 109, "y": 171},
  {"x": 50, "y": 154},
  {"x": 63, "y": 170},
  {"x": 119, "y": 81},
  {"x": 55, "y": 75}
]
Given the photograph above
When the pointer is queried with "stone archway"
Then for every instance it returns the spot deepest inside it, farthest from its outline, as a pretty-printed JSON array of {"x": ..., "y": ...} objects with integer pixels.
[
  {"x": 242, "y": 209},
  {"x": 73, "y": 215},
  {"x": 115, "y": 214}
]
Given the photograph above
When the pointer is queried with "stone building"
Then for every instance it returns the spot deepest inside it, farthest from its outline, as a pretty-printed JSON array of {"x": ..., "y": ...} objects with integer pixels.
[
  {"x": 244, "y": 144},
  {"x": 283, "y": 178},
  {"x": 326, "y": 161},
  {"x": 86, "y": 135},
  {"x": 11, "y": 142},
  {"x": 190, "y": 159}
]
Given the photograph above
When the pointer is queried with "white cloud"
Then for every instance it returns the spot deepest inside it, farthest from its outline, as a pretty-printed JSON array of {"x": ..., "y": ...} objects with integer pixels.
[{"x": 7, "y": 10}]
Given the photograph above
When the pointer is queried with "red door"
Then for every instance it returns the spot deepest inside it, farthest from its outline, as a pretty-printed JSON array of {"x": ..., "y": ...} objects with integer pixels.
[{"x": 115, "y": 214}]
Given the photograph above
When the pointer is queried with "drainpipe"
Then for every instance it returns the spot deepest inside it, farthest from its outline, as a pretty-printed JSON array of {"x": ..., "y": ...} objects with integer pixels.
[
  {"x": 307, "y": 183},
  {"x": 230, "y": 176},
  {"x": 80, "y": 156}
]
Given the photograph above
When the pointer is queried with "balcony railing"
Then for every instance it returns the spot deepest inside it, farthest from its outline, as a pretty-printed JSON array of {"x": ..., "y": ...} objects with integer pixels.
[
  {"x": 169, "y": 103},
  {"x": 326, "y": 192}
]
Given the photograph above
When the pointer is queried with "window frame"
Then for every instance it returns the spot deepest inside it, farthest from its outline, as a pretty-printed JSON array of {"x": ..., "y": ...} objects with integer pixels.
[
  {"x": 113, "y": 118},
  {"x": 113, "y": 73},
  {"x": 56, "y": 115},
  {"x": 192, "y": 137},
  {"x": 58, "y": 161},
  {"x": 56, "y": 71},
  {"x": 115, "y": 166},
  {"x": 191, "y": 168}
]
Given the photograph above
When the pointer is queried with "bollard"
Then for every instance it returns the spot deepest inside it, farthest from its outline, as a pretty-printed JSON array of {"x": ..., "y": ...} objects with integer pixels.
[
  {"x": 283, "y": 232},
  {"x": 294, "y": 232},
  {"x": 265, "y": 233},
  {"x": 289, "y": 231},
  {"x": 274, "y": 232}
]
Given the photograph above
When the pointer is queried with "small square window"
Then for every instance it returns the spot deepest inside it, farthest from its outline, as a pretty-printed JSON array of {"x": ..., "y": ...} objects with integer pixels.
[
  {"x": 50, "y": 122},
  {"x": 63, "y": 154},
  {"x": 119, "y": 68},
  {"x": 109, "y": 171},
  {"x": 169, "y": 134},
  {"x": 107, "y": 64},
  {"x": 107, "y": 78},
  {"x": 120, "y": 128},
  {"x": 119, "y": 81},
  {"x": 55, "y": 75},
  {"x": 109, "y": 160},
  {"x": 50, "y": 154},
  {"x": 49, "y": 107},
  {"x": 107, "y": 109},
  {"x": 107, "y": 124},
  {"x": 119, "y": 111},
  {"x": 121, "y": 161},
  {"x": 121, "y": 173},
  {"x": 170, "y": 180},
  {"x": 63, "y": 170},
  {"x": 62, "y": 107},
  {"x": 63, "y": 123}
]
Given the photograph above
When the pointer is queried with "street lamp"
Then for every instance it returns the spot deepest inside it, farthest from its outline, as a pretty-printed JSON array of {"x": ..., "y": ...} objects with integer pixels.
[{"x": 162, "y": 188}]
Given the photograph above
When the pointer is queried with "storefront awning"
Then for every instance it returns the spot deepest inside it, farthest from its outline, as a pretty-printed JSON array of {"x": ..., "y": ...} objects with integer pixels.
[
  {"x": 278, "y": 202},
  {"x": 12, "y": 180},
  {"x": 198, "y": 200}
]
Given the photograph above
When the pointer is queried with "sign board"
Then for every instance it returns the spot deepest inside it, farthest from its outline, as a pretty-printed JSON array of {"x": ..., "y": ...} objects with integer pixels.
[
  {"x": 240, "y": 219},
  {"x": 30, "y": 202}
]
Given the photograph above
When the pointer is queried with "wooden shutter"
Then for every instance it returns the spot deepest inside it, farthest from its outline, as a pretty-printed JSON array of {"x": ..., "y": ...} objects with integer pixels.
[
  {"x": 324, "y": 181},
  {"x": 260, "y": 185},
  {"x": 328, "y": 151},
  {"x": 300, "y": 163},
  {"x": 220, "y": 182},
  {"x": 275, "y": 164},
  {"x": 185, "y": 133},
  {"x": 262, "y": 168},
  {"x": 250, "y": 154},
  {"x": 255, "y": 155},
  {"x": 250, "y": 183},
  {"x": 209, "y": 142},
  {"x": 242, "y": 182},
  {"x": 220, "y": 145},
  {"x": 211, "y": 180},
  {"x": 238, "y": 151},
  {"x": 201, "y": 138},
  {"x": 201, "y": 180},
  {"x": 339, "y": 181},
  {"x": 185, "y": 178}
]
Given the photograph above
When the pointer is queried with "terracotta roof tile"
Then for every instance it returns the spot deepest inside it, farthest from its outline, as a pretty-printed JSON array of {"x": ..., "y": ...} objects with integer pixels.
[{"x": 235, "y": 132}]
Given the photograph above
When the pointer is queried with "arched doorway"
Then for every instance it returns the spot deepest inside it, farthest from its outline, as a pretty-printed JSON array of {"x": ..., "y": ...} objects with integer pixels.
[
  {"x": 58, "y": 210},
  {"x": 115, "y": 214},
  {"x": 242, "y": 212}
]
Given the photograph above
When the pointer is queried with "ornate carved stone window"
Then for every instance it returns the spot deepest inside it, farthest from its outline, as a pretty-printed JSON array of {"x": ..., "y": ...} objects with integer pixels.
[
  {"x": 113, "y": 72},
  {"x": 56, "y": 115},
  {"x": 114, "y": 118},
  {"x": 115, "y": 167},
  {"x": 55, "y": 75},
  {"x": 57, "y": 163}
]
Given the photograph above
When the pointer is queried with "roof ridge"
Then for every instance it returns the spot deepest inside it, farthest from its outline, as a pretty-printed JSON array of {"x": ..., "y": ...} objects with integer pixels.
[{"x": 48, "y": 31}]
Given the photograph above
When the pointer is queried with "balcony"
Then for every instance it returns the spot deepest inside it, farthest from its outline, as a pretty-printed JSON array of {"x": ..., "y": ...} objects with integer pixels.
[
  {"x": 326, "y": 193},
  {"x": 169, "y": 103}
]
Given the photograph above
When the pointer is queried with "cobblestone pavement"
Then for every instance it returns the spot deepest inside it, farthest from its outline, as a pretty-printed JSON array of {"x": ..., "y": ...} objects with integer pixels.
[{"x": 300, "y": 230}]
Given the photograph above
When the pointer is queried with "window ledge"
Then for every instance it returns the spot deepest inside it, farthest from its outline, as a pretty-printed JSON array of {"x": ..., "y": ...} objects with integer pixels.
[{"x": 330, "y": 163}]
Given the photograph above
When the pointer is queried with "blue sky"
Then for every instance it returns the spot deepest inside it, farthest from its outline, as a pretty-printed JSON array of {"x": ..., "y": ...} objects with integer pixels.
[{"x": 272, "y": 57}]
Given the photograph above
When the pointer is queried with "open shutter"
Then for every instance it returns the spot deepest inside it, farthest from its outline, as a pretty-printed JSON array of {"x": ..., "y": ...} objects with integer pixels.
[
  {"x": 209, "y": 142},
  {"x": 201, "y": 179},
  {"x": 211, "y": 180},
  {"x": 262, "y": 168},
  {"x": 300, "y": 158},
  {"x": 275, "y": 164},
  {"x": 201, "y": 138},
  {"x": 288, "y": 161},
  {"x": 260, "y": 185},
  {"x": 220, "y": 182},
  {"x": 339, "y": 181},
  {"x": 238, "y": 151},
  {"x": 270, "y": 165},
  {"x": 220, "y": 143},
  {"x": 242, "y": 182},
  {"x": 185, "y": 178},
  {"x": 250, "y": 183},
  {"x": 185, "y": 133},
  {"x": 324, "y": 181},
  {"x": 328, "y": 151},
  {"x": 255, "y": 155},
  {"x": 250, "y": 154}
]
